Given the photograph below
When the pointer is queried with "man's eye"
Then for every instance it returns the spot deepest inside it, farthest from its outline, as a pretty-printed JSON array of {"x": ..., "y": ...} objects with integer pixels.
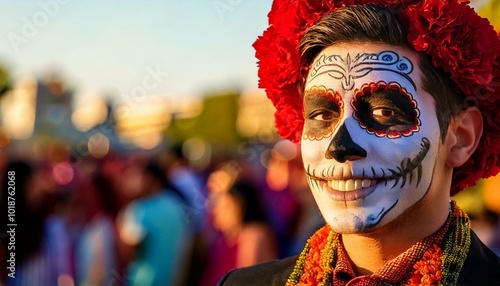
[
  {"x": 383, "y": 112},
  {"x": 390, "y": 118},
  {"x": 325, "y": 116}
]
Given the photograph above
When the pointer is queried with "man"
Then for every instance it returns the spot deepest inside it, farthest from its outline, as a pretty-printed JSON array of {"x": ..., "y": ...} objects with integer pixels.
[{"x": 395, "y": 111}]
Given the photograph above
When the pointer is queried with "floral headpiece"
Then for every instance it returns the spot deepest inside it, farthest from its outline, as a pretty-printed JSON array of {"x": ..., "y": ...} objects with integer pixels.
[{"x": 458, "y": 40}]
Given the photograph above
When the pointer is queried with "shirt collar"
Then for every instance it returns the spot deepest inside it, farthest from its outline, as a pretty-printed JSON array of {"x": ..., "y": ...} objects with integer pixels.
[{"x": 394, "y": 271}]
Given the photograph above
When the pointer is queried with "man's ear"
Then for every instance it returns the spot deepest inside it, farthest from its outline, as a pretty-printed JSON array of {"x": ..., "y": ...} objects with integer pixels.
[{"x": 465, "y": 131}]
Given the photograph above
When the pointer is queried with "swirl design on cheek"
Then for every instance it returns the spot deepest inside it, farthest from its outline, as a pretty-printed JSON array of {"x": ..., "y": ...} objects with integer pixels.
[
  {"x": 386, "y": 110},
  {"x": 323, "y": 110}
]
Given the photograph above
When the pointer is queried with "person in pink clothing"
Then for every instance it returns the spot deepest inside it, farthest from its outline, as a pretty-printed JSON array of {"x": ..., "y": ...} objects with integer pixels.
[{"x": 243, "y": 237}]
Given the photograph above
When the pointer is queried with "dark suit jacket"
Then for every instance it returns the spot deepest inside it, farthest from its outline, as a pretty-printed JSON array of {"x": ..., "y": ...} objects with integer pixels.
[{"x": 482, "y": 268}]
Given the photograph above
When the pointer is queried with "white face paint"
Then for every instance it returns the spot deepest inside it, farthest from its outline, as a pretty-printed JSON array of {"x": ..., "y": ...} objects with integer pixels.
[{"x": 370, "y": 136}]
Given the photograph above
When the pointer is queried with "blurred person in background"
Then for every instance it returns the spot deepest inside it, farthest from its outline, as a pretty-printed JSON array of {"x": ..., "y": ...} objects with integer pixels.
[
  {"x": 295, "y": 215},
  {"x": 308, "y": 218},
  {"x": 244, "y": 237},
  {"x": 42, "y": 241},
  {"x": 155, "y": 227},
  {"x": 188, "y": 182},
  {"x": 96, "y": 258}
]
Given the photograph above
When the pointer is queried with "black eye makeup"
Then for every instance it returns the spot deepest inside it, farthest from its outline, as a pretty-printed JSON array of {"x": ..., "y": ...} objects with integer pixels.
[
  {"x": 386, "y": 110},
  {"x": 323, "y": 109}
]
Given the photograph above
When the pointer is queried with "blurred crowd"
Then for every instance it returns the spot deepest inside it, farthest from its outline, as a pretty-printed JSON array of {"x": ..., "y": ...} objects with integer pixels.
[{"x": 155, "y": 219}]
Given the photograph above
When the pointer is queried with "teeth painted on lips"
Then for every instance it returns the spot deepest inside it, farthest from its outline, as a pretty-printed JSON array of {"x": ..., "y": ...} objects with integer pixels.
[{"x": 351, "y": 184}]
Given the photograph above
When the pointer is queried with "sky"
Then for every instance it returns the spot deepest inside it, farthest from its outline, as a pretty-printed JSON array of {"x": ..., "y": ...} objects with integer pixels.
[
  {"x": 121, "y": 48},
  {"x": 126, "y": 48}
]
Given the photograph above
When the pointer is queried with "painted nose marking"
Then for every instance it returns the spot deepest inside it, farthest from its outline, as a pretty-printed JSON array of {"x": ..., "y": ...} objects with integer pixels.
[{"x": 342, "y": 148}]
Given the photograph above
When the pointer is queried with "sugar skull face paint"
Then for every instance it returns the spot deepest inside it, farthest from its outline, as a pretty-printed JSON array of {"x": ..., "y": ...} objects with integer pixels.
[{"x": 370, "y": 136}]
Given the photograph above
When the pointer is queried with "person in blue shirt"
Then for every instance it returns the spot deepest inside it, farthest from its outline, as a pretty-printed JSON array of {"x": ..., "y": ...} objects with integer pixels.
[{"x": 154, "y": 225}]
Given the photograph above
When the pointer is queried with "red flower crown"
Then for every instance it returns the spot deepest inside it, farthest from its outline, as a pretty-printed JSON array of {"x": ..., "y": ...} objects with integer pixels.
[{"x": 458, "y": 40}]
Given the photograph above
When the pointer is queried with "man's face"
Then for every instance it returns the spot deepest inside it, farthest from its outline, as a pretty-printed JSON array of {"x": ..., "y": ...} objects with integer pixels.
[{"x": 370, "y": 136}]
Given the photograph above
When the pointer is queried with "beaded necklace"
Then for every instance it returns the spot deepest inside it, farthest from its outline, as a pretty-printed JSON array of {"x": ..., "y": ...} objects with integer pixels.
[{"x": 440, "y": 264}]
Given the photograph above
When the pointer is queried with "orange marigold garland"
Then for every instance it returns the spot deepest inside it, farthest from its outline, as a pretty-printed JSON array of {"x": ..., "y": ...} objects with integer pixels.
[
  {"x": 315, "y": 263},
  {"x": 428, "y": 270},
  {"x": 440, "y": 265}
]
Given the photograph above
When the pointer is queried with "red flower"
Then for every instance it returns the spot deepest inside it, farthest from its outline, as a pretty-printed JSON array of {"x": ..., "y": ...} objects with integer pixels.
[
  {"x": 459, "y": 41},
  {"x": 289, "y": 117}
]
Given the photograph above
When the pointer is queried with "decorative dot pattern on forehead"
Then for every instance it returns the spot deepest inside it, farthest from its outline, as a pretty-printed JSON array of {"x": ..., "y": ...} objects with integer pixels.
[
  {"x": 353, "y": 67},
  {"x": 323, "y": 111},
  {"x": 386, "y": 110}
]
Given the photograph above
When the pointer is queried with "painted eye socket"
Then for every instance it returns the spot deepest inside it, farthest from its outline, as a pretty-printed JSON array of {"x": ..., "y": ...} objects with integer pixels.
[
  {"x": 386, "y": 110},
  {"x": 323, "y": 109}
]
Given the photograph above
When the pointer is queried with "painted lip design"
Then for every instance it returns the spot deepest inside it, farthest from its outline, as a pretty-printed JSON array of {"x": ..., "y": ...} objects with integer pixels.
[{"x": 352, "y": 188}]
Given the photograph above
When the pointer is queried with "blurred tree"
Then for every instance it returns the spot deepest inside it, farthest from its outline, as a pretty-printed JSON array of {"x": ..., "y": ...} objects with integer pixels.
[
  {"x": 5, "y": 81},
  {"x": 215, "y": 124}
]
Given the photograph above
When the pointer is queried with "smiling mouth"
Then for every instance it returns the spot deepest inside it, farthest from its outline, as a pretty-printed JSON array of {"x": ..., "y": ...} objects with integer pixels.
[
  {"x": 348, "y": 185},
  {"x": 345, "y": 190},
  {"x": 362, "y": 187}
]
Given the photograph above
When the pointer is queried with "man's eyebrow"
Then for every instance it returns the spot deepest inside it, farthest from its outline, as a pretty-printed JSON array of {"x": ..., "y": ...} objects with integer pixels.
[
  {"x": 383, "y": 97},
  {"x": 350, "y": 68},
  {"x": 384, "y": 100}
]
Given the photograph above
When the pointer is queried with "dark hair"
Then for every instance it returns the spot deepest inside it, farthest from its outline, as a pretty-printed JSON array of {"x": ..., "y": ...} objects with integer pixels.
[
  {"x": 379, "y": 24},
  {"x": 156, "y": 172},
  {"x": 246, "y": 194},
  {"x": 176, "y": 151},
  {"x": 159, "y": 174},
  {"x": 105, "y": 191}
]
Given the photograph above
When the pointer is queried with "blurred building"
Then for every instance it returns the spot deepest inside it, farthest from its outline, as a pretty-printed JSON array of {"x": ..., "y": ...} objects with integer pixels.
[
  {"x": 53, "y": 110},
  {"x": 18, "y": 109},
  {"x": 37, "y": 113},
  {"x": 141, "y": 122}
]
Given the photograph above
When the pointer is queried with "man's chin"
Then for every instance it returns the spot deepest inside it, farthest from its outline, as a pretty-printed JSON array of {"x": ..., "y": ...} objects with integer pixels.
[
  {"x": 360, "y": 219},
  {"x": 388, "y": 223},
  {"x": 353, "y": 225}
]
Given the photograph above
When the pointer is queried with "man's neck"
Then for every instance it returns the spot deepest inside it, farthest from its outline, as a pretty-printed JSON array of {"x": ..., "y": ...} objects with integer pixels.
[{"x": 368, "y": 252}]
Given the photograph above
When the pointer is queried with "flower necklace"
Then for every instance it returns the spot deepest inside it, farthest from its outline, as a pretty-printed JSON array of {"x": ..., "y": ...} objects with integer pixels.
[{"x": 440, "y": 264}]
